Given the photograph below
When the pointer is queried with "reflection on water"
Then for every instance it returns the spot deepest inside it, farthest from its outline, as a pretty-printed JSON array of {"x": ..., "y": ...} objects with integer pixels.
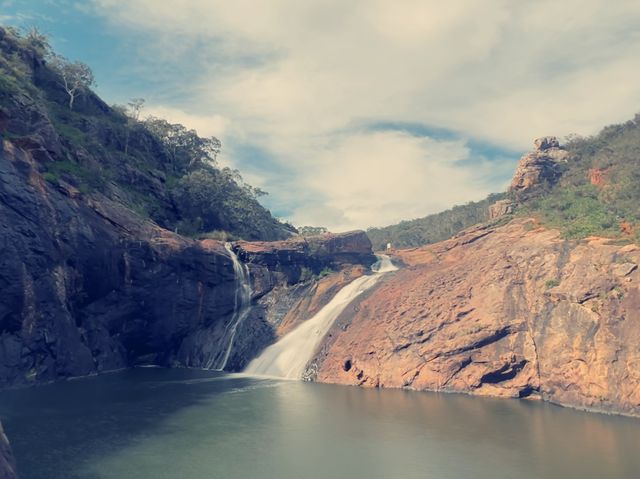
[{"x": 157, "y": 423}]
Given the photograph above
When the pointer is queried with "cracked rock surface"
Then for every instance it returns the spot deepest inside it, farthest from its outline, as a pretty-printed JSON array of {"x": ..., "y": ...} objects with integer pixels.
[{"x": 511, "y": 311}]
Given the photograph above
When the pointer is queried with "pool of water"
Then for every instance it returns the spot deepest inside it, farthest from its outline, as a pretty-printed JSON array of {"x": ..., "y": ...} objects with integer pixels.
[{"x": 155, "y": 423}]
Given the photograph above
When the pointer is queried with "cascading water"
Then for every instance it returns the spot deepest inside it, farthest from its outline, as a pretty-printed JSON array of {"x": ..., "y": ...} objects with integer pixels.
[
  {"x": 241, "y": 309},
  {"x": 288, "y": 358}
]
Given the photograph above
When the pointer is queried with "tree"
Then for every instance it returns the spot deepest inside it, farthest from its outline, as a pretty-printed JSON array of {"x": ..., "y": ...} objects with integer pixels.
[
  {"x": 76, "y": 77},
  {"x": 186, "y": 150},
  {"x": 37, "y": 41},
  {"x": 312, "y": 230},
  {"x": 134, "y": 107}
]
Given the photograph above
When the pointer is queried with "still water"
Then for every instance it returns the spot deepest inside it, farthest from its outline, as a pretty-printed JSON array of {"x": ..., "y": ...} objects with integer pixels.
[{"x": 155, "y": 424}]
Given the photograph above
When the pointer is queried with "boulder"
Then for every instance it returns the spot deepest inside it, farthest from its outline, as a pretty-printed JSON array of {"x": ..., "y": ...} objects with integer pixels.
[
  {"x": 546, "y": 142},
  {"x": 539, "y": 166},
  {"x": 501, "y": 208}
]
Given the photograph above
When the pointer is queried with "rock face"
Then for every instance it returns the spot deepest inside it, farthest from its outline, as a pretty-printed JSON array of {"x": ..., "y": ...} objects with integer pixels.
[
  {"x": 513, "y": 311},
  {"x": 353, "y": 247},
  {"x": 501, "y": 208},
  {"x": 7, "y": 462},
  {"x": 539, "y": 166},
  {"x": 87, "y": 285}
]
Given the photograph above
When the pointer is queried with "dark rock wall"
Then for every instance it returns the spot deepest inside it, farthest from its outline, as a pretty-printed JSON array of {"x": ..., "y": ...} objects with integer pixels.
[
  {"x": 87, "y": 285},
  {"x": 7, "y": 461}
]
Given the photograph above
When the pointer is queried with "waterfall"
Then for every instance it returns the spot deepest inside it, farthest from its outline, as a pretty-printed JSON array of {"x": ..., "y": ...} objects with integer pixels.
[
  {"x": 241, "y": 309},
  {"x": 289, "y": 357}
]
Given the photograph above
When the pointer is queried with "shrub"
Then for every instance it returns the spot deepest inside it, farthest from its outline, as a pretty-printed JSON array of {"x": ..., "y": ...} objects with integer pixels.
[{"x": 551, "y": 283}]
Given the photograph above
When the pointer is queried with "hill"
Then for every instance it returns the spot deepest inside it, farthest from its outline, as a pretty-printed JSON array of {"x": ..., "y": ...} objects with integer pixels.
[
  {"x": 588, "y": 187},
  {"x": 433, "y": 228},
  {"x": 596, "y": 188},
  {"x": 163, "y": 171}
]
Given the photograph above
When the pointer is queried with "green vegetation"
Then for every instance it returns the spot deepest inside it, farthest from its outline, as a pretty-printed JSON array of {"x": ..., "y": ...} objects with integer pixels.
[
  {"x": 312, "y": 230},
  {"x": 576, "y": 211},
  {"x": 433, "y": 228},
  {"x": 161, "y": 170},
  {"x": 86, "y": 179},
  {"x": 325, "y": 272},
  {"x": 597, "y": 194},
  {"x": 307, "y": 274},
  {"x": 551, "y": 283},
  {"x": 599, "y": 190}
]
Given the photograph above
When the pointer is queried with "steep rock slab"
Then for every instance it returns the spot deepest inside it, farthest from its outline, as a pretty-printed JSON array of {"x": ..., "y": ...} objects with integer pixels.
[{"x": 513, "y": 311}]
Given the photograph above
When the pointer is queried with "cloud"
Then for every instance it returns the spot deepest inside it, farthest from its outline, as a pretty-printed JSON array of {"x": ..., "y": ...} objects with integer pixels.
[
  {"x": 205, "y": 125},
  {"x": 374, "y": 178},
  {"x": 304, "y": 80}
]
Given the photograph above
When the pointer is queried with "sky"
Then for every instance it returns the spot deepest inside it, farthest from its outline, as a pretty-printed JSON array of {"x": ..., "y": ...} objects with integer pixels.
[{"x": 360, "y": 113}]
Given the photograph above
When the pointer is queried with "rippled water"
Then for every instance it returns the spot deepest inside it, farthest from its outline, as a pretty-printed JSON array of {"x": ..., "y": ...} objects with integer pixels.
[{"x": 154, "y": 423}]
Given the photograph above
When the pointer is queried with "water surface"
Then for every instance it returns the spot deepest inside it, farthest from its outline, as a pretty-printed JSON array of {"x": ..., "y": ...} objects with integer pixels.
[{"x": 155, "y": 423}]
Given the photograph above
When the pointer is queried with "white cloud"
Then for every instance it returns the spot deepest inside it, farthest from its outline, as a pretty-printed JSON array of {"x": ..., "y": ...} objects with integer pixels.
[
  {"x": 299, "y": 78},
  {"x": 205, "y": 125},
  {"x": 374, "y": 178}
]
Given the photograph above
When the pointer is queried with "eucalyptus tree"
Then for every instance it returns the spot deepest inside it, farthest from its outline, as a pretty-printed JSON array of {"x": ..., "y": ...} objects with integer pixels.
[{"x": 75, "y": 77}]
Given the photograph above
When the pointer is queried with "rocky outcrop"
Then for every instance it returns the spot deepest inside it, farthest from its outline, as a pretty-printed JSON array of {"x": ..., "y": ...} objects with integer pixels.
[
  {"x": 512, "y": 311},
  {"x": 501, "y": 208},
  {"x": 540, "y": 166},
  {"x": 7, "y": 461},
  {"x": 301, "y": 258}
]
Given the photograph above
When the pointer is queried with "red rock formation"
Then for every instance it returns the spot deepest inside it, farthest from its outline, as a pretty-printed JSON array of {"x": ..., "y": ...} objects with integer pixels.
[
  {"x": 539, "y": 165},
  {"x": 627, "y": 228},
  {"x": 329, "y": 248},
  {"x": 513, "y": 311},
  {"x": 500, "y": 208},
  {"x": 597, "y": 177}
]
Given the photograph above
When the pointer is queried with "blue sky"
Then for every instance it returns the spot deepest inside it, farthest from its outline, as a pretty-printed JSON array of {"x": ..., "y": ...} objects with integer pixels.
[{"x": 360, "y": 113}]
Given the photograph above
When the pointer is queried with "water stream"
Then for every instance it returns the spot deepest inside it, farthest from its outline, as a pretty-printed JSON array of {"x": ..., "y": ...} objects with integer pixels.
[
  {"x": 288, "y": 358},
  {"x": 241, "y": 309}
]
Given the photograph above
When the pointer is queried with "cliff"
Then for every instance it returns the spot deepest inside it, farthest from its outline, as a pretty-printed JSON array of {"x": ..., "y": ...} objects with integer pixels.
[
  {"x": 89, "y": 285},
  {"x": 93, "y": 275},
  {"x": 510, "y": 311}
]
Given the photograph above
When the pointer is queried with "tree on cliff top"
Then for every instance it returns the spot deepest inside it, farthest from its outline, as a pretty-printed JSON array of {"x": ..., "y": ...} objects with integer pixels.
[
  {"x": 76, "y": 77},
  {"x": 186, "y": 149}
]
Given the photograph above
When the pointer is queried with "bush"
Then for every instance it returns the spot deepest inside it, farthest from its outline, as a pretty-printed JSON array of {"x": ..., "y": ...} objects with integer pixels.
[
  {"x": 551, "y": 283},
  {"x": 50, "y": 177}
]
